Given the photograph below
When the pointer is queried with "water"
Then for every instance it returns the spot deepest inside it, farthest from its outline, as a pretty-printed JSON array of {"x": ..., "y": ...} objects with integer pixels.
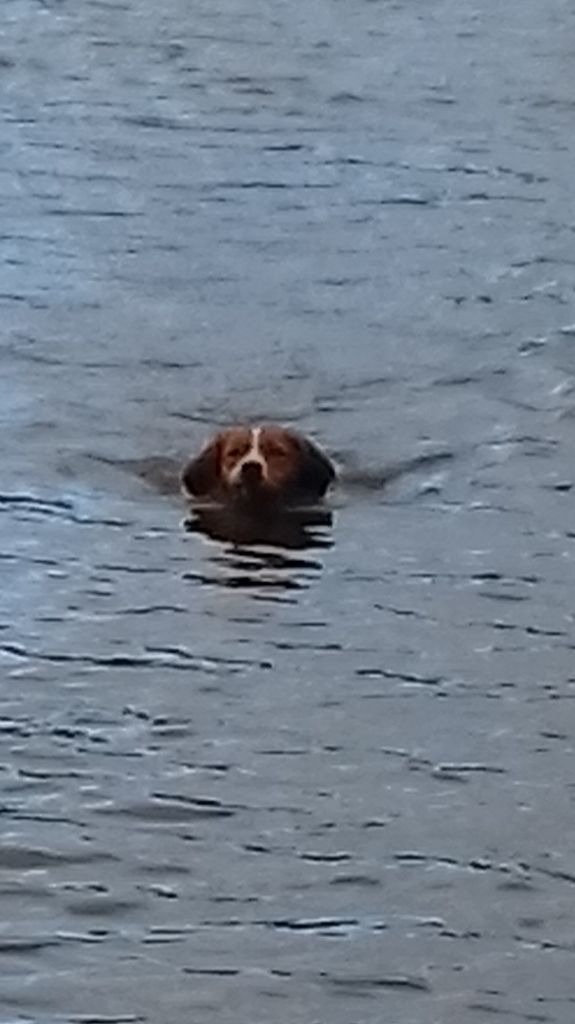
[{"x": 270, "y": 784}]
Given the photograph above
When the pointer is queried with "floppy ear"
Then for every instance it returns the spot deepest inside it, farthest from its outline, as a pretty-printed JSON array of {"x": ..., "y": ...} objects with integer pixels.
[
  {"x": 201, "y": 476},
  {"x": 316, "y": 471}
]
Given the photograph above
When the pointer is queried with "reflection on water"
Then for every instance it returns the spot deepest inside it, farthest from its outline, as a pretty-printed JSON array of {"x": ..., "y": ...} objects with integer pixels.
[
  {"x": 295, "y": 529},
  {"x": 259, "y": 555}
]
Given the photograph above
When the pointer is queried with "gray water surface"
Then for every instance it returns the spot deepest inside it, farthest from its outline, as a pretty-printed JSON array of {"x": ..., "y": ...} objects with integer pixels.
[{"x": 261, "y": 784}]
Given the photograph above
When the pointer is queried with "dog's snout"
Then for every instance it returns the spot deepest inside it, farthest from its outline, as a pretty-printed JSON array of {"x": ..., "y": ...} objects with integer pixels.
[{"x": 252, "y": 472}]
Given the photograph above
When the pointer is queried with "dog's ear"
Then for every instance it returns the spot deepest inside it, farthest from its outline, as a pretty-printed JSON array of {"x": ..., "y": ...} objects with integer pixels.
[
  {"x": 201, "y": 476},
  {"x": 316, "y": 471}
]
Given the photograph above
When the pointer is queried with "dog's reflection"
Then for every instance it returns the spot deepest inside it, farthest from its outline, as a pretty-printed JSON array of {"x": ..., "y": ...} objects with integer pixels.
[
  {"x": 288, "y": 529},
  {"x": 262, "y": 556}
]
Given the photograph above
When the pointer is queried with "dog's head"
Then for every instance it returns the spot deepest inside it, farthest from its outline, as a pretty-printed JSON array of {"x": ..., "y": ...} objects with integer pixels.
[{"x": 259, "y": 464}]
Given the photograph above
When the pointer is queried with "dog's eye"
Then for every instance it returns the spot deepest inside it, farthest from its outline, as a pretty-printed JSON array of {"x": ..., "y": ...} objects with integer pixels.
[
  {"x": 234, "y": 453},
  {"x": 277, "y": 453}
]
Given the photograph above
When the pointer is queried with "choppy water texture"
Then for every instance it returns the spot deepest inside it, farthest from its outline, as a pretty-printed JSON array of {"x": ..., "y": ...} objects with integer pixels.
[{"x": 332, "y": 783}]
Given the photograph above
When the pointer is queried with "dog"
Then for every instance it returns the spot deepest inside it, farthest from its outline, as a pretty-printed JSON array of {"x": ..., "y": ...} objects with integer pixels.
[{"x": 259, "y": 469}]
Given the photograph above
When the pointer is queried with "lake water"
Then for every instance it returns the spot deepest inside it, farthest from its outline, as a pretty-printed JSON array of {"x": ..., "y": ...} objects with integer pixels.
[{"x": 268, "y": 785}]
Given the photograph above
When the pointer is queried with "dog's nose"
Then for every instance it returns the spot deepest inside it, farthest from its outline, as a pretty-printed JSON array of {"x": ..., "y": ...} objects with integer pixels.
[{"x": 251, "y": 472}]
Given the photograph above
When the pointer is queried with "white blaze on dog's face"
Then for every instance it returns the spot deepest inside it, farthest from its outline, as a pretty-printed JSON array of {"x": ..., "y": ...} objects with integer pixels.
[{"x": 240, "y": 449}]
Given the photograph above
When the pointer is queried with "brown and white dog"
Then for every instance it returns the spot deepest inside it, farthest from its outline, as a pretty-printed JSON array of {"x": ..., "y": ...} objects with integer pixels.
[{"x": 262, "y": 467}]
